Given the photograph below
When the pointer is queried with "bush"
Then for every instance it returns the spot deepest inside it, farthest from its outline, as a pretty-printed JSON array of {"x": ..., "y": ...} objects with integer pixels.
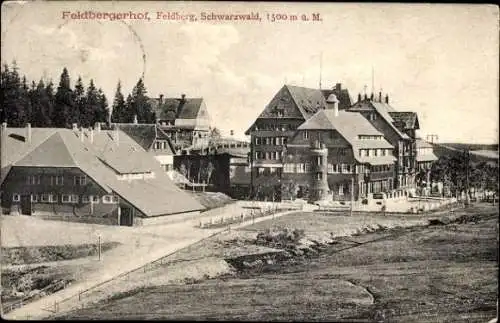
[{"x": 284, "y": 238}]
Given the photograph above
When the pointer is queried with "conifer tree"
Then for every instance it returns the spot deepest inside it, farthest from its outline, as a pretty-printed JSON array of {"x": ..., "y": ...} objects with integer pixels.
[
  {"x": 102, "y": 112},
  {"x": 88, "y": 116},
  {"x": 79, "y": 97},
  {"x": 64, "y": 102},
  {"x": 119, "y": 109}
]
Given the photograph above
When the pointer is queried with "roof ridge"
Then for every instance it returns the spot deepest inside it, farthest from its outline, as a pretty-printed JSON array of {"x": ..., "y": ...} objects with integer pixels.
[{"x": 71, "y": 154}]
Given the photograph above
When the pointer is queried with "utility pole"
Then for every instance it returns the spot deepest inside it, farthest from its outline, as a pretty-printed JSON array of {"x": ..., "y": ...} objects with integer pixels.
[
  {"x": 99, "y": 248},
  {"x": 432, "y": 137},
  {"x": 352, "y": 195},
  {"x": 467, "y": 158}
]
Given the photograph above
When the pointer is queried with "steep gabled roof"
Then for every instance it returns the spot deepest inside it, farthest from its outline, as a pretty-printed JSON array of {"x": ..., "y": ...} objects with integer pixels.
[
  {"x": 406, "y": 120},
  {"x": 145, "y": 135},
  {"x": 342, "y": 95},
  {"x": 172, "y": 108},
  {"x": 309, "y": 101},
  {"x": 349, "y": 125},
  {"x": 383, "y": 109}
]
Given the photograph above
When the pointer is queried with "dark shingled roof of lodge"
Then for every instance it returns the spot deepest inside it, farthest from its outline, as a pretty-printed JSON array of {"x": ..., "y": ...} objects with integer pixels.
[
  {"x": 145, "y": 134},
  {"x": 408, "y": 120},
  {"x": 173, "y": 108}
]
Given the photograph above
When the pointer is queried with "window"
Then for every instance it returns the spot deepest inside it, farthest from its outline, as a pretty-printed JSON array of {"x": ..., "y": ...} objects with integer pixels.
[
  {"x": 330, "y": 168},
  {"x": 108, "y": 199},
  {"x": 271, "y": 170},
  {"x": 95, "y": 199},
  {"x": 257, "y": 141},
  {"x": 33, "y": 179},
  {"x": 45, "y": 198},
  {"x": 384, "y": 152},
  {"x": 289, "y": 168},
  {"x": 34, "y": 197},
  {"x": 80, "y": 180},
  {"x": 307, "y": 167},
  {"x": 52, "y": 198},
  {"x": 16, "y": 197},
  {"x": 375, "y": 152},
  {"x": 57, "y": 180},
  {"x": 366, "y": 152},
  {"x": 343, "y": 168},
  {"x": 305, "y": 134},
  {"x": 69, "y": 198},
  {"x": 341, "y": 189},
  {"x": 85, "y": 199},
  {"x": 319, "y": 175},
  {"x": 319, "y": 161},
  {"x": 301, "y": 168}
]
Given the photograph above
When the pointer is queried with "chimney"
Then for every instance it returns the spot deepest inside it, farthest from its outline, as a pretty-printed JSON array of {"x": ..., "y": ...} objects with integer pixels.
[
  {"x": 91, "y": 131},
  {"x": 366, "y": 97},
  {"x": 28, "y": 133},
  {"x": 81, "y": 134},
  {"x": 74, "y": 126},
  {"x": 359, "y": 97},
  {"x": 387, "y": 98},
  {"x": 338, "y": 87},
  {"x": 161, "y": 99},
  {"x": 380, "y": 96},
  {"x": 135, "y": 119},
  {"x": 371, "y": 97},
  {"x": 183, "y": 97}
]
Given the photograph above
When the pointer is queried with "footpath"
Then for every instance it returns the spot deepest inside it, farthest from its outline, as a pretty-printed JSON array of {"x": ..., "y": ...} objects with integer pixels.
[{"x": 152, "y": 243}]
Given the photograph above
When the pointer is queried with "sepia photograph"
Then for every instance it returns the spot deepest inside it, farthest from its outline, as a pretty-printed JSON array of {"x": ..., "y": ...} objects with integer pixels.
[{"x": 249, "y": 161}]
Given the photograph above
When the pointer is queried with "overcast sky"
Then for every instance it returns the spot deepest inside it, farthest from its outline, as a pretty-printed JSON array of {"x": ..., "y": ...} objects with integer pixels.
[{"x": 438, "y": 60}]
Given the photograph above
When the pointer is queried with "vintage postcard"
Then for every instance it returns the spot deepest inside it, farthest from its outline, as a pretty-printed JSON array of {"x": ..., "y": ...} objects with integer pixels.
[{"x": 249, "y": 161}]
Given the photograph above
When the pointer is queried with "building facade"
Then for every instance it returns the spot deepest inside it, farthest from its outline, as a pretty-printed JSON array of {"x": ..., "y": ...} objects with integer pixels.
[
  {"x": 89, "y": 175},
  {"x": 186, "y": 121},
  {"x": 317, "y": 144},
  {"x": 399, "y": 128}
]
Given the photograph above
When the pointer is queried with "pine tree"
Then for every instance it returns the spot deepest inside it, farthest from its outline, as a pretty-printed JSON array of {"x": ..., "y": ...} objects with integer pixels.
[
  {"x": 91, "y": 106},
  {"x": 118, "y": 113},
  {"x": 64, "y": 102},
  {"x": 25, "y": 100},
  {"x": 12, "y": 101},
  {"x": 40, "y": 104},
  {"x": 128, "y": 115},
  {"x": 102, "y": 112},
  {"x": 79, "y": 98},
  {"x": 49, "y": 104},
  {"x": 141, "y": 105}
]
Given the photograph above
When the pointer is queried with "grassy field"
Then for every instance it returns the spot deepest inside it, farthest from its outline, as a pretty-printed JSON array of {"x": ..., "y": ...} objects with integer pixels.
[
  {"x": 439, "y": 273},
  {"x": 38, "y": 254}
]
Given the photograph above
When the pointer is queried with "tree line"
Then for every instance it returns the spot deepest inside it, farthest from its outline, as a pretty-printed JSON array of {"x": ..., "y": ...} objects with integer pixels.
[
  {"x": 458, "y": 172},
  {"x": 43, "y": 105}
]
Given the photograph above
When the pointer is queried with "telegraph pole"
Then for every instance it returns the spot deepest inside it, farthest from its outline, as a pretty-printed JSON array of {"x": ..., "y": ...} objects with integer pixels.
[
  {"x": 352, "y": 195},
  {"x": 432, "y": 137},
  {"x": 467, "y": 158}
]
